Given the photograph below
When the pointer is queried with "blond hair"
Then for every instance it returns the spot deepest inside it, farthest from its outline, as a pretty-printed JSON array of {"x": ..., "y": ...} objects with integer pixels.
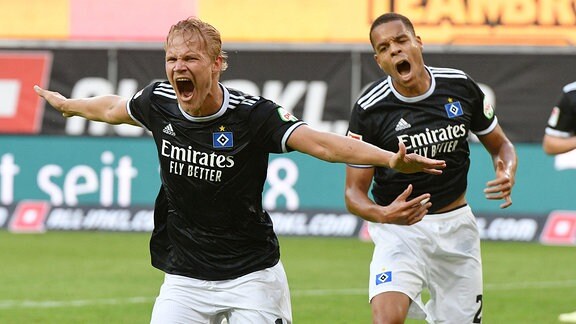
[{"x": 209, "y": 35}]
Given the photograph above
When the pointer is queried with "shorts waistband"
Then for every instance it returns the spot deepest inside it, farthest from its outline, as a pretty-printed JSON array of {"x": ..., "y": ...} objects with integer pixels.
[{"x": 448, "y": 215}]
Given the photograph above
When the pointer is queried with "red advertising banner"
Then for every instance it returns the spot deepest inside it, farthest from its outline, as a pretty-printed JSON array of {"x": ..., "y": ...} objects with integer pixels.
[
  {"x": 29, "y": 217},
  {"x": 20, "y": 108},
  {"x": 560, "y": 228}
]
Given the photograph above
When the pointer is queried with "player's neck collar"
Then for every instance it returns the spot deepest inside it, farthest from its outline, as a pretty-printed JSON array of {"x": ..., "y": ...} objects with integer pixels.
[
  {"x": 416, "y": 98},
  {"x": 220, "y": 112}
]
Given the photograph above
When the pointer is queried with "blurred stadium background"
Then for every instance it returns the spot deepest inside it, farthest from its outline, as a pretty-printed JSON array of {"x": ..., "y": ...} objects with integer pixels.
[{"x": 312, "y": 57}]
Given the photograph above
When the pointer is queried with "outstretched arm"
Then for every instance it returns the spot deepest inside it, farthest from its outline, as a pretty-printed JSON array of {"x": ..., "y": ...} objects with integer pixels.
[
  {"x": 505, "y": 163},
  {"x": 555, "y": 145},
  {"x": 110, "y": 109},
  {"x": 337, "y": 148}
]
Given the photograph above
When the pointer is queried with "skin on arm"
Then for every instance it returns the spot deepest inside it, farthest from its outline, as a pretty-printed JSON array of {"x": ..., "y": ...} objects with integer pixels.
[
  {"x": 505, "y": 164},
  {"x": 553, "y": 145},
  {"x": 401, "y": 211},
  {"x": 110, "y": 109},
  {"x": 337, "y": 148}
]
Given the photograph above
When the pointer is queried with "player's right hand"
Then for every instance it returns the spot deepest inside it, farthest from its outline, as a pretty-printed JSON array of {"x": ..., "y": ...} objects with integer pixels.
[{"x": 55, "y": 99}]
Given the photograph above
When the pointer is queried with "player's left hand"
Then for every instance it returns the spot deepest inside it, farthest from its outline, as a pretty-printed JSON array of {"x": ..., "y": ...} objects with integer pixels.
[
  {"x": 501, "y": 187},
  {"x": 412, "y": 163}
]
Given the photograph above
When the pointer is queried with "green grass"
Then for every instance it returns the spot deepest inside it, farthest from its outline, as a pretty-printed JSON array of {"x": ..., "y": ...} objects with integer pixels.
[{"x": 95, "y": 277}]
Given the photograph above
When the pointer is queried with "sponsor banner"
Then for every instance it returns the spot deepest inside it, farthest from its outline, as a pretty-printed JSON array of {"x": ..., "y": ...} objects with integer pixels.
[
  {"x": 127, "y": 20},
  {"x": 477, "y": 22},
  {"x": 75, "y": 74},
  {"x": 78, "y": 171},
  {"x": 317, "y": 87},
  {"x": 316, "y": 223},
  {"x": 29, "y": 217},
  {"x": 35, "y": 19},
  {"x": 21, "y": 109},
  {"x": 488, "y": 22},
  {"x": 86, "y": 183},
  {"x": 560, "y": 228},
  {"x": 82, "y": 19},
  {"x": 70, "y": 171},
  {"x": 523, "y": 228},
  {"x": 40, "y": 216}
]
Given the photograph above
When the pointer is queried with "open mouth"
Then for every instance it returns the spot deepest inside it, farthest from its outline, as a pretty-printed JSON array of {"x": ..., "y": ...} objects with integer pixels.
[
  {"x": 403, "y": 67},
  {"x": 185, "y": 87}
]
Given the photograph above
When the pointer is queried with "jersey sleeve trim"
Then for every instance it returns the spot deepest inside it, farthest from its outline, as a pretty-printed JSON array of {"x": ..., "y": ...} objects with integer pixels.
[
  {"x": 569, "y": 87},
  {"x": 132, "y": 116},
  {"x": 360, "y": 166},
  {"x": 287, "y": 135},
  {"x": 489, "y": 129},
  {"x": 556, "y": 133}
]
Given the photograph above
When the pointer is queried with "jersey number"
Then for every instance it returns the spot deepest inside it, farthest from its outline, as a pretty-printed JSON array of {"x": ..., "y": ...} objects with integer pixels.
[{"x": 478, "y": 316}]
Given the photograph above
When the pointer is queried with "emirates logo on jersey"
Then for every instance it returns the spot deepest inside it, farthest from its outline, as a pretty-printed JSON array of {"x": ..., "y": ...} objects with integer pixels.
[{"x": 432, "y": 142}]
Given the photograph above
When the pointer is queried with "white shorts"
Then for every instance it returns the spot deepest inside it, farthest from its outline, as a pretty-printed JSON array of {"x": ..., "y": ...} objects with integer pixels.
[
  {"x": 441, "y": 253},
  {"x": 259, "y": 297}
]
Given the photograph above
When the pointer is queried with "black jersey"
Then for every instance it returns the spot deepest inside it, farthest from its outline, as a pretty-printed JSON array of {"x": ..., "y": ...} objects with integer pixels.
[
  {"x": 562, "y": 121},
  {"x": 435, "y": 125},
  {"x": 208, "y": 218}
]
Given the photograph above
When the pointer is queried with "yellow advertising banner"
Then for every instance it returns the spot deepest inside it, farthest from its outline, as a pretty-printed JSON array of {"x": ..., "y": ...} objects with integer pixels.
[
  {"x": 460, "y": 22},
  {"x": 441, "y": 22},
  {"x": 34, "y": 19}
]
